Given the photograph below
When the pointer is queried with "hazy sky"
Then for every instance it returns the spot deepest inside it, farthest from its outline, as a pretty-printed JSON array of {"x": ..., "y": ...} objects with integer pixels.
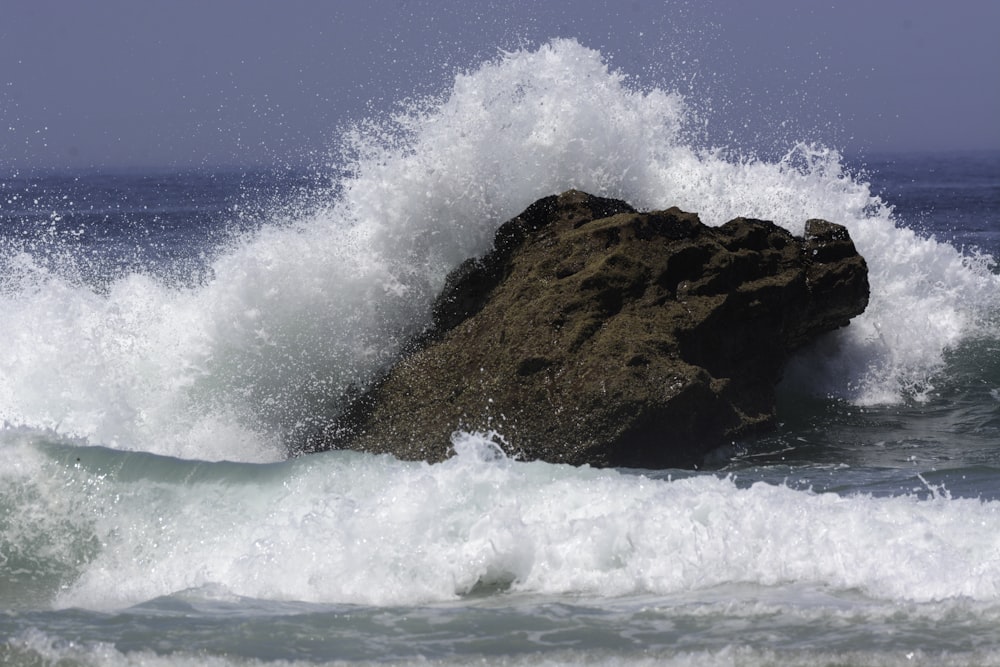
[{"x": 180, "y": 82}]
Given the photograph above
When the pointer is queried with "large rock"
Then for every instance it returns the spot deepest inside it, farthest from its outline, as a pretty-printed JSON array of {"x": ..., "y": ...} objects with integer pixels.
[{"x": 596, "y": 334}]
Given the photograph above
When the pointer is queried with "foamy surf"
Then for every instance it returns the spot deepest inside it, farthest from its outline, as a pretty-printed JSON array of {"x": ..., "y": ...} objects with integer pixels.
[
  {"x": 109, "y": 529},
  {"x": 34, "y": 647}
]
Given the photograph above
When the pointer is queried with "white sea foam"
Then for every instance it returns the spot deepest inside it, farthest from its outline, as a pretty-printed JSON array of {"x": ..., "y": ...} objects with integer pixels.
[
  {"x": 344, "y": 527},
  {"x": 40, "y": 648},
  {"x": 300, "y": 311}
]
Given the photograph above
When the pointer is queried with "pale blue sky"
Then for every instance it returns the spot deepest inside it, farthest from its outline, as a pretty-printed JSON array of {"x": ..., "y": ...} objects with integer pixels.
[{"x": 178, "y": 83}]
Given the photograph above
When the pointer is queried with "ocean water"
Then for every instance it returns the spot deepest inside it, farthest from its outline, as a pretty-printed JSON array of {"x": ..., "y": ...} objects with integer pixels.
[{"x": 166, "y": 335}]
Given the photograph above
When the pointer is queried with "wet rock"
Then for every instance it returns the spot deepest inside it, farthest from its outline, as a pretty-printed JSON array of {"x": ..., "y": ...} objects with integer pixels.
[{"x": 596, "y": 334}]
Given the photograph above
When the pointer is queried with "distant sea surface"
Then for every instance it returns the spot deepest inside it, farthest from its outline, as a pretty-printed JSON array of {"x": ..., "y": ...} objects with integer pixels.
[{"x": 166, "y": 333}]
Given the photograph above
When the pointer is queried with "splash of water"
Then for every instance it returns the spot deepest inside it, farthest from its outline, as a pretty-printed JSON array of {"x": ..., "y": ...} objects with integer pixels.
[{"x": 298, "y": 313}]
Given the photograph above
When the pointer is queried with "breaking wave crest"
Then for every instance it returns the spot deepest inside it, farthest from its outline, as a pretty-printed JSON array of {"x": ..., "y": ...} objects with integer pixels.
[{"x": 313, "y": 305}]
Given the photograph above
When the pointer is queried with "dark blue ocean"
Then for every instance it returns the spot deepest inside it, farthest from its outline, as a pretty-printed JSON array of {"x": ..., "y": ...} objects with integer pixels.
[{"x": 165, "y": 333}]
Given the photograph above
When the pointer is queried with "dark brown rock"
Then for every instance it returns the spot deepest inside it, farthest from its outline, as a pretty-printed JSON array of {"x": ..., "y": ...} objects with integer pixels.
[{"x": 596, "y": 334}]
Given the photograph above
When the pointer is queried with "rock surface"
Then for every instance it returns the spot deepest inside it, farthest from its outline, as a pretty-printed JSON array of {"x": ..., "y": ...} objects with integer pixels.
[{"x": 595, "y": 334}]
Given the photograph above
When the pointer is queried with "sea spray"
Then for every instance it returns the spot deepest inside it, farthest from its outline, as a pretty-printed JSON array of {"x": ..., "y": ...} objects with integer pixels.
[{"x": 293, "y": 316}]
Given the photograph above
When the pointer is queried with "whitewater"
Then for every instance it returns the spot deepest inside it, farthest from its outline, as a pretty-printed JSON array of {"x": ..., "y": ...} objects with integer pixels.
[{"x": 150, "y": 514}]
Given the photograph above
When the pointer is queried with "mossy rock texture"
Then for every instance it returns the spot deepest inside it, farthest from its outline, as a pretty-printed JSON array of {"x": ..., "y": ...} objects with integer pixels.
[{"x": 596, "y": 334}]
